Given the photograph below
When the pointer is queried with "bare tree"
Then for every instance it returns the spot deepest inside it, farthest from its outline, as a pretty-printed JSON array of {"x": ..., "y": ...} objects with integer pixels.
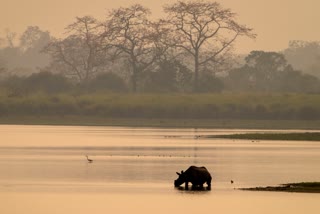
[
  {"x": 10, "y": 38},
  {"x": 80, "y": 53},
  {"x": 131, "y": 35},
  {"x": 204, "y": 30},
  {"x": 32, "y": 42},
  {"x": 34, "y": 38}
]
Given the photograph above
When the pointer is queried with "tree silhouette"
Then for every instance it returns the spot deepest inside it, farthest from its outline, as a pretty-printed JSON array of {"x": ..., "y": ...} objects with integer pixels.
[
  {"x": 204, "y": 30},
  {"x": 80, "y": 54},
  {"x": 132, "y": 36}
]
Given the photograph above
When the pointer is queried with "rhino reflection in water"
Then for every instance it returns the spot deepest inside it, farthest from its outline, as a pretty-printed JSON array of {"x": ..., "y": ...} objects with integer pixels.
[{"x": 195, "y": 175}]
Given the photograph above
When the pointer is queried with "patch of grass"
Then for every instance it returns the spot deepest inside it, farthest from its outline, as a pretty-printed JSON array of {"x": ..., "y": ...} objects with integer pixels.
[
  {"x": 91, "y": 120},
  {"x": 306, "y": 187},
  {"x": 191, "y": 107},
  {"x": 306, "y": 136}
]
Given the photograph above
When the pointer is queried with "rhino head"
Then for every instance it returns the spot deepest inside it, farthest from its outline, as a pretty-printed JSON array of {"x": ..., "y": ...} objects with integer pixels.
[{"x": 181, "y": 179}]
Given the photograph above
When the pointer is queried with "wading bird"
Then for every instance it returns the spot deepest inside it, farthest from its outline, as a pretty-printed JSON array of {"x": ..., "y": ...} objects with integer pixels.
[{"x": 89, "y": 160}]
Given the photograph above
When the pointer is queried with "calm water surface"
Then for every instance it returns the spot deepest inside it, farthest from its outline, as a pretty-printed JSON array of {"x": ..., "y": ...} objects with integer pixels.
[{"x": 43, "y": 169}]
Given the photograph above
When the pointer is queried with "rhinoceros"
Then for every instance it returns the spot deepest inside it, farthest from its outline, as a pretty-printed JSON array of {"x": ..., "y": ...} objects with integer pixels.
[{"x": 195, "y": 175}]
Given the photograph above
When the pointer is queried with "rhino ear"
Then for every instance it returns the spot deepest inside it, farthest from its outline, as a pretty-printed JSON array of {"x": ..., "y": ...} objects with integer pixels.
[{"x": 178, "y": 173}]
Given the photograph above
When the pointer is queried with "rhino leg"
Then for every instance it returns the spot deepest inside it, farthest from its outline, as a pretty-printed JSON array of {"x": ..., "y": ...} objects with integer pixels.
[
  {"x": 186, "y": 185},
  {"x": 209, "y": 184}
]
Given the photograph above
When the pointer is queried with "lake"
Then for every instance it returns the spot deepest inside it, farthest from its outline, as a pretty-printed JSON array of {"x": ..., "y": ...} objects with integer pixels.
[{"x": 43, "y": 169}]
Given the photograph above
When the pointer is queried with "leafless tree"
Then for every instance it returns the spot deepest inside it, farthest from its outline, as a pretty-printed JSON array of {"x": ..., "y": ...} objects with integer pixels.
[
  {"x": 34, "y": 38},
  {"x": 80, "y": 53},
  {"x": 204, "y": 30},
  {"x": 10, "y": 38},
  {"x": 132, "y": 36}
]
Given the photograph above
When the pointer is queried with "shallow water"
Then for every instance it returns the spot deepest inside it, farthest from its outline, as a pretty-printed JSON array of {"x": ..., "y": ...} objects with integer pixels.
[{"x": 44, "y": 170}]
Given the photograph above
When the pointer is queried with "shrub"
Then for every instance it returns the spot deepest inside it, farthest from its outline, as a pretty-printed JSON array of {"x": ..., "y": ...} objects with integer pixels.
[
  {"x": 47, "y": 82},
  {"x": 107, "y": 82}
]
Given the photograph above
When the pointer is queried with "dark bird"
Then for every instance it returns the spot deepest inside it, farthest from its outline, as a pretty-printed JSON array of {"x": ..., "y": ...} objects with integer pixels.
[
  {"x": 89, "y": 160},
  {"x": 231, "y": 181}
]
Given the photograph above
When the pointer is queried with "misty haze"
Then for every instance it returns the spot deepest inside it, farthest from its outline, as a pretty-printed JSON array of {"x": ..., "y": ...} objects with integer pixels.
[{"x": 102, "y": 103}]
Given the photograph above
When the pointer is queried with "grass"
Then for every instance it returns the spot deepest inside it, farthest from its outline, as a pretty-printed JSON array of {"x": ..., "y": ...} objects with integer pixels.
[
  {"x": 154, "y": 122},
  {"x": 306, "y": 187},
  {"x": 224, "y": 110},
  {"x": 307, "y": 136}
]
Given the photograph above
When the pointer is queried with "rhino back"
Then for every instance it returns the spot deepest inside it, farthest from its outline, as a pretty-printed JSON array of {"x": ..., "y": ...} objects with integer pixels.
[{"x": 194, "y": 172}]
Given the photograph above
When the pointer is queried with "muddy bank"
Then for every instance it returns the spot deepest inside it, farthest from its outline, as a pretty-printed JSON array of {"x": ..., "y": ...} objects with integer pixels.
[
  {"x": 306, "y": 187},
  {"x": 306, "y": 136}
]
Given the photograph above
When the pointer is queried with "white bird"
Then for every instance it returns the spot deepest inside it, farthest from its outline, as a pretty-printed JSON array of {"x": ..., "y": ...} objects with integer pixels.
[{"x": 89, "y": 160}]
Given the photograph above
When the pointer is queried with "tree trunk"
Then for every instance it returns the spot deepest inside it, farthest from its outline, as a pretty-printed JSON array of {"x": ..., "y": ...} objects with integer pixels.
[
  {"x": 134, "y": 78},
  {"x": 196, "y": 72}
]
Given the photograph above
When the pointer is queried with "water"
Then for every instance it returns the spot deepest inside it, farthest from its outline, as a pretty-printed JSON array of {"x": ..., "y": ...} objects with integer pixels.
[{"x": 44, "y": 170}]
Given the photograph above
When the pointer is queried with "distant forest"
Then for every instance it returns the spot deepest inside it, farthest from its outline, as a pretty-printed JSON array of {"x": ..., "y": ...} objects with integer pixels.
[{"x": 189, "y": 50}]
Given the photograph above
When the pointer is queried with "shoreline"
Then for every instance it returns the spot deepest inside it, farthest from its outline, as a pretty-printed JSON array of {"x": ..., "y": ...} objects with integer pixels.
[
  {"x": 303, "y": 187},
  {"x": 161, "y": 123},
  {"x": 294, "y": 136}
]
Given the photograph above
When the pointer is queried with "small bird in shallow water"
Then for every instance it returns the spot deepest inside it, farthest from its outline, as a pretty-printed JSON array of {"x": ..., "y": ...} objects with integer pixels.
[
  {"x": 89, "y": 160},
  {"x": 231, "y": 181}
]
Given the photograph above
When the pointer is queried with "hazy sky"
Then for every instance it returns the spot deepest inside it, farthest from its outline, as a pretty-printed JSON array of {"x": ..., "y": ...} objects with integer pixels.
[{"x": 275, "y": 21}]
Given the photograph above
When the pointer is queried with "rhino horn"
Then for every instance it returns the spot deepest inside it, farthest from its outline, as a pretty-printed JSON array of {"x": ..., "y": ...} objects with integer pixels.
[{"x": 178, "y": 173}]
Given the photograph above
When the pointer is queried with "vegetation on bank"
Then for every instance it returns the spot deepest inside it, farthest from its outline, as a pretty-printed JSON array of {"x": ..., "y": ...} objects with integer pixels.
[
  {"x": 164, "y": 123},
  {"x": 223, "y": 110},
  {"x": 306, "y": 187},
  {"x": 223, "y": 106},
  {"x": 307, "y": 136}
]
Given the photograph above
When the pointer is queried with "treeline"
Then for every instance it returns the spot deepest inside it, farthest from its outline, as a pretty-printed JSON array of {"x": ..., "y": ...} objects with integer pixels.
[
  {"x": 262, "y": 72},
  {"x": 270, "y": 72},
  {"x": 164, "y": 106},
  {"x": 188, "y": 50}
]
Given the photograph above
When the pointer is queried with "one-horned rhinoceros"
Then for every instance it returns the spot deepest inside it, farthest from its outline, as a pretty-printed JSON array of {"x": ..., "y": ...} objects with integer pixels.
[{"x": 195, "y": 175}]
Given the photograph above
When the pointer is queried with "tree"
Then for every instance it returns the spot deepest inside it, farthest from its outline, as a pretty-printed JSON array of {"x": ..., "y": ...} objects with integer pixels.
[
  {"x": 32, "y": 42},
  {"x": 262, "y": 71},
  {"x": 304, "y": 56},
  {"x": 10, "y": 38},
  {"x": 266, "y": 68},
  {"x": 46, "y": 82},
  {"x": 37, "y": 82},
  {"x": 22, "y": 54},
  {"x": 210, "y": 83},
  {"x": 80, "y": 55},
  {"x": 34, "y": 38},
  {"x": 107, "y": 82},
  {"x": 270, "y": 71},
  {"x": 204, "y": 30},
  {"x": 297, "y": 82},
  {"x": 3, "y": 69},
  {"x": 163, "y": 78},
  {"x": 131, "y": 35},
  {"x": 168, "y": 75}
]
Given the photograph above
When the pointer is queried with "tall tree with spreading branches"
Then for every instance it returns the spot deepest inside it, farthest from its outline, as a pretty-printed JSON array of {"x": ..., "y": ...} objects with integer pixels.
[
  {"x": 81, "y": 53},
  {"x": 204, "y": 30},
  {"x": 132, "y": 36}
]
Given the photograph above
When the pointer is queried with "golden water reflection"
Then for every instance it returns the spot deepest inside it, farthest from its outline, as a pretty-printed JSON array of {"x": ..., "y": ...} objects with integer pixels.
[{"x": 44, "y": 170}]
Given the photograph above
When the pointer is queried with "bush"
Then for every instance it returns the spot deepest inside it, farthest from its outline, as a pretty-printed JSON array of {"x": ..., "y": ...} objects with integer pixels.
[
  {"x": 210, "y": 83},
  {"x": 107, "y": 82},
  {"x": 175, "y": 106},
  {"x": 37, "y": 82},
  {"x": 47, "y": 82}
]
